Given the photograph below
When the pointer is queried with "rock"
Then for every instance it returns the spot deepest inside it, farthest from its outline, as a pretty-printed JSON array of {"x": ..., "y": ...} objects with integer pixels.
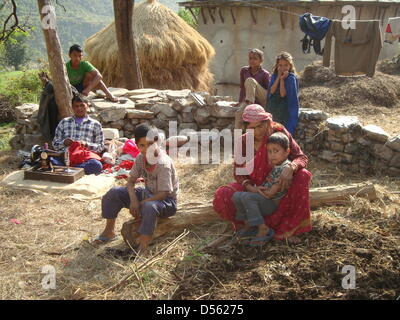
[
  {"x": 351, "y": 148},
  {"x": 176, "y": 141},
  {"x": 213, "y": 99},
  {"x": 336, "y": 157},
  {"x": 161, "y": 121},
  {"x": 143, "y": 96},
  {"x": 165, "y": 108},
  {"x": 202, "y": 115},
  {"x": 394, "y": 143},
  {"x": 333, "y": 136},
  {"x": 382, "y": 152},
  {"x": 16, "y": 142},
  {"x": 110, "y": 133},
  {"x": 119, "y": 124},
  {"x": 364, "y": 142},
  {"x": 104, "y": 104},
  {"x": 118, "y": 92},
  {"x": 177, "y": 94},
  {"x": 139, "y": 114},
  {"x": 187, "y": 115},
  {"x": 180, "y": 104},
  {"x": 224, "y": 109},
  {"x": 337, "y": 146},
  {"x": 395, "y": 172},
  {"x": 199, "y": 98},
  {"x": 112, "y": 114},
  {"x": 395, "y": 162},
  {"x": 31, "y": 139},
  {"x": 26, "y": 110},
  {"x": 185, "y": 126},
  {"x": 375, "y": 133},
  {"x": 223, "y": 123},
  {"x": 128, "y": 127},
  {"x": 312, "y": 115},
  {"x": 347, "y": 138},
  {"x": 343, "y": 123},
  {"x": 137, "y": 92}
]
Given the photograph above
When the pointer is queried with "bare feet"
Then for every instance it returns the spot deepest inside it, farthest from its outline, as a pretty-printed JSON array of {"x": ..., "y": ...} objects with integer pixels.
[
  {"x": 143, "y": 241},
  {"x": 294, "y": 240}
]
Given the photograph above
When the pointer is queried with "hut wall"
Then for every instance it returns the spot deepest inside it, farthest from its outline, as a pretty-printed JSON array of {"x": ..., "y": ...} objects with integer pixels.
[{"x": 272, "y": 32}]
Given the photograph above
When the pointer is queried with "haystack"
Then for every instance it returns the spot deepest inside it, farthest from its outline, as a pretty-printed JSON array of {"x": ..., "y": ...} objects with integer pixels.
[{"x": 172, "y": 54}]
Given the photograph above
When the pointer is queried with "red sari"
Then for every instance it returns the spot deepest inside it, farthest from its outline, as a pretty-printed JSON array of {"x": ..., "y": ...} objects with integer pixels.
[{"x": 292, "y": 217}]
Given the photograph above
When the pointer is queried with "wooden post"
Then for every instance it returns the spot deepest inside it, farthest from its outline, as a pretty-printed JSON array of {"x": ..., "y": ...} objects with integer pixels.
[
  {"x": 128, "y": 59},
  {"x": 59, "y": 77}
]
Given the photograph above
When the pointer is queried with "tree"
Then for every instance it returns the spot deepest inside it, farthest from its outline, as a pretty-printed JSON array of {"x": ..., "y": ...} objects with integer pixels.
[
  {"x": 129, "y": 61},
  {"x": 11, "y": 22},
  {"x": 62, "y": 88},
  {"x": 14, "y": 50}
]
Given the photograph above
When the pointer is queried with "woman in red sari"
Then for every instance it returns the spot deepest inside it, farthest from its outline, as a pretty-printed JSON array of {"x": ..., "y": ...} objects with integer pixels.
[{"x": 292, "y": 217}]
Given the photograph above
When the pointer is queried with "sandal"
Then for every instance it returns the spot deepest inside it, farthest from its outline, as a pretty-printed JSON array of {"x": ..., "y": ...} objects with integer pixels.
[
  {"x": 242, "y": 234},
  {"x": 103, "y": 240},
  {"x": 260, "y": 241}
]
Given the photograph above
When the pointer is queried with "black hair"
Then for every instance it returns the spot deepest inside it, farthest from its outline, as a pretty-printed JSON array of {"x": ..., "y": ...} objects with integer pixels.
[
  {"x": 143, "y": 130},
  {"x": 258, "y": 52},
  {"x": 75, "y": 47},
  {"x": 279, "y": 138},
  {"x": 79, "y": 98}
]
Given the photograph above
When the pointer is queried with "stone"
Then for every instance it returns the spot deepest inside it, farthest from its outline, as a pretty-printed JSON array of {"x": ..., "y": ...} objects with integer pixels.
[
  {"x": 105, "y": 105},
  {"x": 347, "y": 138},
  {"x": 139, "y": 114},
  {"x": 376, "y": 133},
  {"x": 202, "y": 115},
  {"x": 180, "y": 104},
  {"x": 32, "y": 139},
  {"x": 394, "y": 143},
  {"x": 364, "y": 142},
  {"x": 199, "y": 98},
  {"x": 16, "y": 142},
  {"x": 312, "y": 115},
  {"x": 337, "y": 146},
  {"x": 161, "y": 121},
  {"x": 118, "y": 92},
  {"x": 26, "y": 110},
  {"x": 336, "y": 157},
  {"x": 185, "y": 126},
  {"x": 119, "y": 124},
  {"x": 395, "y": 172},
  {"x": 137, "y": 92},
  {"x": 176, "y": 141},
  {"x": 343, "y": 123},
  {"x": 224, "y": 109},
  {"x": 224, "y": 122},
  {"x": 333, "y": 136},
  {"x": 213, "y": 99},
  {"x": 351, "y": 148},
  {"x": 128, "y": 127},
  {"x": 166, "y": 109},
  {"x": 177, "y": 94},
  {"x": 110, "y": 133},
  {"x": 143, "y": 96},
  {"x": 395, "y": 161},
  {"x": 382, "y": 152},
  {"x": 112, "y": 114}
]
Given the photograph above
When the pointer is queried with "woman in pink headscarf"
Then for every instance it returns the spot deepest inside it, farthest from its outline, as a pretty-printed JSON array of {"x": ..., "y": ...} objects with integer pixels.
[{"x": 292, "y": 217}]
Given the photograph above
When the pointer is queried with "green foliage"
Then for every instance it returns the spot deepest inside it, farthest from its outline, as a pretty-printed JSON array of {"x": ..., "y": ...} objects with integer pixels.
[
  {"x": 6, "y": 133},
  {"x": 23, "y": 87},
  {"x": 14, "y": 50},
  {"x": 188, "y": 17}
]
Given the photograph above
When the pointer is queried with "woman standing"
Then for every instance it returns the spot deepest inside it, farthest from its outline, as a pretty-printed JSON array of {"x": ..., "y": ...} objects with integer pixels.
[
  {"x": 292, "y": 217},
  {"x": 254, "y": 81},
  {"x": 283, "y": 101}
]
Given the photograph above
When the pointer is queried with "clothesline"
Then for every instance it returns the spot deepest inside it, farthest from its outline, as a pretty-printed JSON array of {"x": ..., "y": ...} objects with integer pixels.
[{"x": 291, "y": 13}]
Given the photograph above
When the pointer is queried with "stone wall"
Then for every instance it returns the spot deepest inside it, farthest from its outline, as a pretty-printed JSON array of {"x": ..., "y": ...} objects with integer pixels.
[{"x": 343, "y": 141}]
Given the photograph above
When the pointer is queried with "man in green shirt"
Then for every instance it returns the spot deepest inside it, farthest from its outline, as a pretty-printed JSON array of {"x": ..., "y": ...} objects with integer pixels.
[{"x": 83, "y": 75}]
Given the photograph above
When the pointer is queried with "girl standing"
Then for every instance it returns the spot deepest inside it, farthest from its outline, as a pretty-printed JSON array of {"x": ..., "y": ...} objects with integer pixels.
[{"x": 283, "y": 100}]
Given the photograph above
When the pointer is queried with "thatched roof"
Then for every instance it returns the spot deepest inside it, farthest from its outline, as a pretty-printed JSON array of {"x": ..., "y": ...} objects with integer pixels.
[{"x": 172, "y": 54}]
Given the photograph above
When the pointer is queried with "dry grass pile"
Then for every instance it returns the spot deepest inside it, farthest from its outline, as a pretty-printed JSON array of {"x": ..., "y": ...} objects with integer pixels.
[
  {"x": 53, "y": 231},
  {"x": 374, "y": 100},
  {"x": 172, "y": 54}
]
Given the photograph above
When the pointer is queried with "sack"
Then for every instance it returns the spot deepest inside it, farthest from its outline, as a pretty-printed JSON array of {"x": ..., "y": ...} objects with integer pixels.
[{"x": 315, "y": 29}]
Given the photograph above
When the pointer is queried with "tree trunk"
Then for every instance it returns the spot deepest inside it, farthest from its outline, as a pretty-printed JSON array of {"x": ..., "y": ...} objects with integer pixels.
[
  {"x": 62, "y": 89},
  {"x": 197, "y": 213},
  {"x": 128, "y": 59}
]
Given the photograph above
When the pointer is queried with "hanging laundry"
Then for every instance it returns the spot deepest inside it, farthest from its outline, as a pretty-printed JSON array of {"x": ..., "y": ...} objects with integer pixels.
[
  {"x": 392, "y": 32},
  {"x": 315, "y": 29},
  {"x": 356, "y": 50}
]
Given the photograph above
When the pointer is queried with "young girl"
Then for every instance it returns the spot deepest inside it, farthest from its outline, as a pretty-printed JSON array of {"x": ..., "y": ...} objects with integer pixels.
[
  {"x": 254, "y": 81},
  {"x": 283, "y": 101}
]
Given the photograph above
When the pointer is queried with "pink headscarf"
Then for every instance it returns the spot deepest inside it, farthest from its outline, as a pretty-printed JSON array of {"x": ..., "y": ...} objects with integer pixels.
[{"x": 255, "y": 113}]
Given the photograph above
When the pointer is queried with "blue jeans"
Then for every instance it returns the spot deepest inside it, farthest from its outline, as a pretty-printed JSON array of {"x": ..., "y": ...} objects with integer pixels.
[
  {"x": 118, "y": 197},
  {"x": 92, "y": 166},
  {"x": 252, "y": 207}
]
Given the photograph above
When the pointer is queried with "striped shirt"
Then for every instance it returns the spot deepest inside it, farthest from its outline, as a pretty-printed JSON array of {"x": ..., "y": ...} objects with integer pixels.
[{"x": 89, "y": 131}]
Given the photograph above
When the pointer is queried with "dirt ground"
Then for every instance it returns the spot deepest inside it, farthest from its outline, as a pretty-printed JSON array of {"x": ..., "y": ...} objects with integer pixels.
[{"x": 54, "y": 230}]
